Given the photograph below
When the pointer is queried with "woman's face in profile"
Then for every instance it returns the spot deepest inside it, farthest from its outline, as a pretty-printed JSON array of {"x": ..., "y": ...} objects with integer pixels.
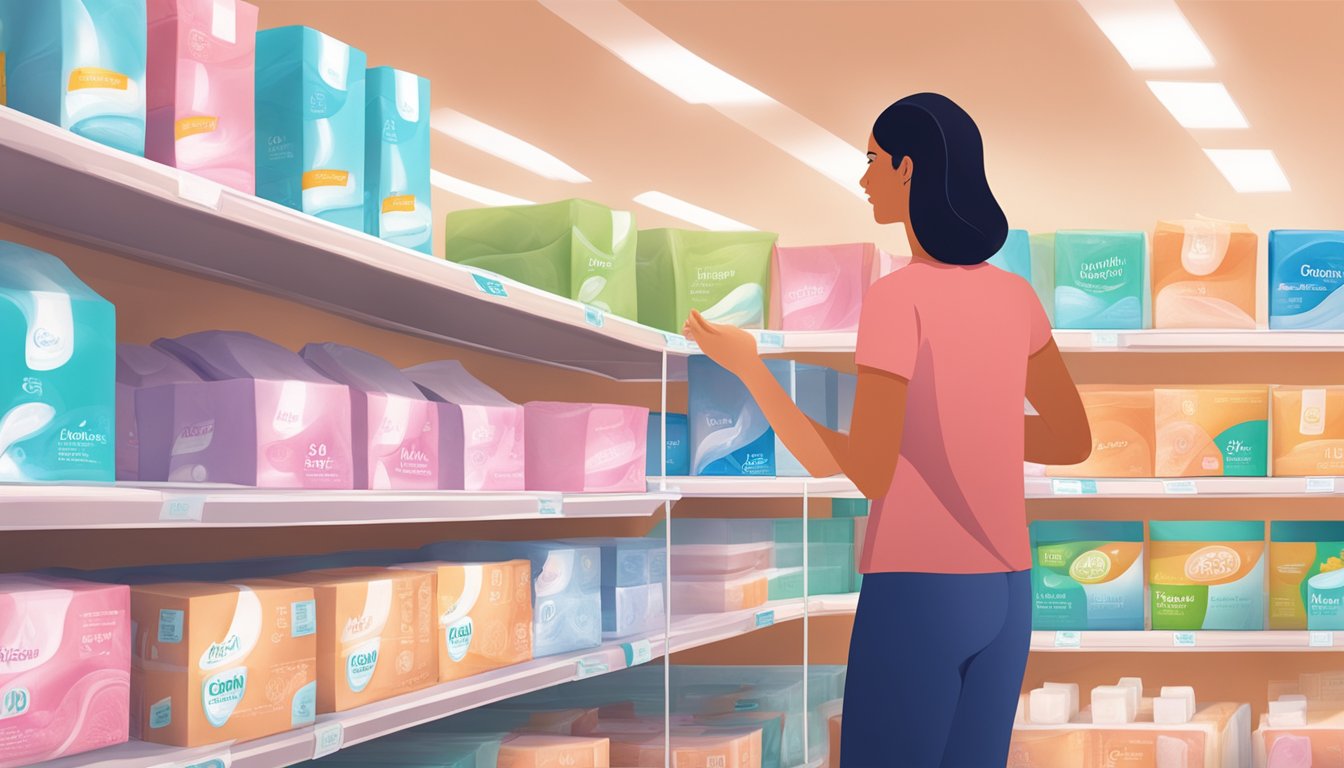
[{"x": 888, "y": 187}]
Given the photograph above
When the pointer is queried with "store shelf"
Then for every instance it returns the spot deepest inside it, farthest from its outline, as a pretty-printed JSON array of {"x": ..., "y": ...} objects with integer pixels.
[
  {"x": 1219, "y": 487},
  {"x": 1200, "y": 341},
  {"x": 374, "y": 720},
  {"x": 755, "y": 487},
  {"x": 65, "y": 507},
  {"x": 1162, "y": 641}
]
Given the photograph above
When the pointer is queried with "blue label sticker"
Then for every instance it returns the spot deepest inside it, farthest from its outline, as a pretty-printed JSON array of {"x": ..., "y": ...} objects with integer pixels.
[
  {"x": 771, "y": 339},
  {"x": 765, "y": 619},
  {"x": 1074, "y": 487},
  {"x": 489, "y": 285},
  {"x": 1183, "y": 639},
  {"x": 549, "y": 506},
  {"x": 170, "y": 626},
  {"x": 1068, "y": 639},
  {"x": 303, "y": 709},
  {"x": 594, "y": 317},
  {"x": 303, "y": 618},
  {"x": 161, "y": 713}
]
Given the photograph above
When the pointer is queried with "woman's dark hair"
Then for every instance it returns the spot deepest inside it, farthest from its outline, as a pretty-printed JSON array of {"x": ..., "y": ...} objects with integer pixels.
[{"x": 953, "y": 213}]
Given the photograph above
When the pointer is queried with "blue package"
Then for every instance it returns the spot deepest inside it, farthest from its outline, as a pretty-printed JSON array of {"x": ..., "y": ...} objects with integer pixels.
[
  {"x": 678, "y": 446},
  {"x": 396, "y": 198},
  {"x": 1306, "y": 279},
  {"x": 729, "y": 434}
]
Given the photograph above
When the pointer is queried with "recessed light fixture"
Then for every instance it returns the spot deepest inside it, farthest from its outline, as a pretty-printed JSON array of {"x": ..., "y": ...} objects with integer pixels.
[
  {"x": 694, "y": 214},
  {"x": 1250, "y": 170},
  {"x": 476, "y": 192},
  {"x": 1199, "y": 105},
  {"x": 1150, "y": 34},
  {"x": 505, "y": 146}
]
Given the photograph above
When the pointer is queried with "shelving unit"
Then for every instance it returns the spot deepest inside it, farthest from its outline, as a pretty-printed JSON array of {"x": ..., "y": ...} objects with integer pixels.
[
  {"x": 1221, "y": 487},
  {"x": 1155, "y": 641}
]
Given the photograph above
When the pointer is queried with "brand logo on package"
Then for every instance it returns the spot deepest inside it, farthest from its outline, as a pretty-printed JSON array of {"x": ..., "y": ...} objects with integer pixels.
[
  {"x": 15, "y": 702},
  {"x": 218, "y": 652},
  {"x": 81, "y": 434},
  {"x": 360, "y": 664},
  {"x": 18, "y": 655},
  {"x": 222, "y": 693},
  {"x": 32, "y": 385},
  {"x": 1212, "y": 563},
  {"x": 459, "y": 639},
  {"x": 96, "y": 77}
]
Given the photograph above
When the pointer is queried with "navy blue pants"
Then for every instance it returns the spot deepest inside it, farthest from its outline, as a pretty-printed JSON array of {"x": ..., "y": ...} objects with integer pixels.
[{"x": 935, "y": 670}]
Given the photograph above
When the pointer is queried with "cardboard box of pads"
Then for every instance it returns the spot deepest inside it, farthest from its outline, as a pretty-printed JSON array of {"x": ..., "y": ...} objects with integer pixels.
[
  {"x": 375, "y": 634},
  {"x": 217, "y": 662}
]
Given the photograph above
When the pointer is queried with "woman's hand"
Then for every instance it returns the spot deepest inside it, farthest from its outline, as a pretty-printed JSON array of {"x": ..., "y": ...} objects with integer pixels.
[{"x": 727, "y": 345}]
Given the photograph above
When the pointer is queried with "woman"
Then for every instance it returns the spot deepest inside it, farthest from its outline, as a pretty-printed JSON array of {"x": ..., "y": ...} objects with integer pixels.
[{"x": 947, "y": 349}]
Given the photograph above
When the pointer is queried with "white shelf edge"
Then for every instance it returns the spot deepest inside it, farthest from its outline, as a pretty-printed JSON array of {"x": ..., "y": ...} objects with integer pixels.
[
  {"x": 1160, "y": 641},
  {"x": 1218, "y": 487},
  {"x": 754, "y": 487}
]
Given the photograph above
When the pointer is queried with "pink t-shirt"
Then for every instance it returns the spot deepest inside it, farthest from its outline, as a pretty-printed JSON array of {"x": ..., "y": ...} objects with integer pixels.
[{"x": 961, "y": 336}]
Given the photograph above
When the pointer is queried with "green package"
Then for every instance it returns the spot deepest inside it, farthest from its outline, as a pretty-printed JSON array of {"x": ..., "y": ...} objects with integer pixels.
[{"x": 724, "y": 275}]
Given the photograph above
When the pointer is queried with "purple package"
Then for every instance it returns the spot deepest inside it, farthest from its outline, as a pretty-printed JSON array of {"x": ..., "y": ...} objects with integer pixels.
[
  {"x": 262, "y": 417},
  {"x": 487, "y": 425},
  {"x": 394, "y": 427},
  {"x": 139, "y": 367}
]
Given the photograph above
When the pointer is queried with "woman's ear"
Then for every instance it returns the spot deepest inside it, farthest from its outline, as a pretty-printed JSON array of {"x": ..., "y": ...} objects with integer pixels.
[{"x": 906, "y": 169}]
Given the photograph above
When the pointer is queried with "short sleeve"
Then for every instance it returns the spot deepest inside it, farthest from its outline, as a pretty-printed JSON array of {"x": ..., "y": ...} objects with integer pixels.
[
  {"x": 889, "y": 330},
  {"x": 1039, "y": 331}
]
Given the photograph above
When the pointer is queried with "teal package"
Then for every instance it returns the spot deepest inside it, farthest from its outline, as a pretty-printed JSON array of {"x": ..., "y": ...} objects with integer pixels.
[
  {"x": 310, "y": 124},
  {"x": 1306, "y": 575},
  {"x": 80, "y": 64},
  {"x": 1087, "y": 575},
  {"x": 57, "y": 372},
  {"x": 814, "y": 389},
  {"x": 1015, "y": 255},
  {"x": 1100, "y": 279},
  {"x": 397, "y": 198},
  {"x": 729, "y": 433},
  {"x": 1306, "y": 280}
]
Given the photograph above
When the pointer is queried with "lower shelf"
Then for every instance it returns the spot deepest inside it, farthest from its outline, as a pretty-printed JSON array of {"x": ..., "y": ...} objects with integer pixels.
[{"x": 1163, "y": 641}]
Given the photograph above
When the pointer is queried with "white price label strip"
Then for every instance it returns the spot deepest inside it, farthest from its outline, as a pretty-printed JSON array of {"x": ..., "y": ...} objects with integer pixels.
[
  {"x": 182, "y": 508},
  {"x": 589, "y": 667},
  {"x": 1183, "y": 639},
  {"x": 1068, "y": 639},
  {"x": 1180, "y": 487},
  {"x": 1105, "y": 339},
  {"x": 551, "y": 506},
  {"x": 1074, "y": 487},
  {"x": 1320, "y": 485},
  {"x": 217, "y": 760},
  {"x": 327, "y": 738},
  {"x": 771, "y": 340},
  {"x": 1321, "y": 640}
]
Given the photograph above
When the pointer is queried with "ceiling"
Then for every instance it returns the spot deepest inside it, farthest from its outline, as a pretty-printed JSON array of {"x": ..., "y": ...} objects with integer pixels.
[{"x": 1073, "y": 136}]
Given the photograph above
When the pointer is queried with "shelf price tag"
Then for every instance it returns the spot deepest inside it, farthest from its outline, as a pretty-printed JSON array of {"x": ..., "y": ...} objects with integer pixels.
[
  {"x": 490, "y": 286},
  {"x": 1320, "y": 485},
  {"x": 771, "y": 339},
  {"x": 594, "y": 316},
  {"x": 1179, "y": 487},
  {"x": 182, "y": 508},
  {"x": 589, "y": 667},
  {"x": 638, "y": 652},
  {"x": 218, "y": 760},
  {"x": 551, "y": 506},
  {"x": 1068, "y": 639},
  {"x": 1183, "y": 639},
  {"x": 198, "y": 190},
  {"x": 765, "y": 619},
  {"x": 676, "y": 341},
  {"x": 1321, "y": 639},
  {"x": 1074, "y": 487},
  {"x": 1105, "y": 339},
  {"x": 328, "y": 738}
]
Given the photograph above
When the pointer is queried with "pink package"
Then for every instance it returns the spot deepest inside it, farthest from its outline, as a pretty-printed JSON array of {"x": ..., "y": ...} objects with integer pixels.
[
  {"x": 586, "y": 447},
  {"x": 261, "y": 417},
  {"x": 139, "y": 367},
  {"x": 199, "y": 85},
  {"x": 718, "y": 594},
  {"x": 395, "y": 429},
  {"x": 489, "y": 426},
  {"x": 65, "y": 667},
  {"x": 821, "y": 288}
]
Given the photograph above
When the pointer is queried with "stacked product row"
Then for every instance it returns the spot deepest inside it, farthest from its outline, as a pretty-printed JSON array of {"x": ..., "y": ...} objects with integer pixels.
[
  {"x": 1300, "y": 732},
  {"x": 1204, "y": 575},
  {"x": 756, "y": 721},
  {"x": 1201, "y": 273},
  {"x": 1123, "y": 728},
  {"x": 189, "y": 655},
  {"x": 289, "y": 113},
  {"x": 1211, "y": 431}
]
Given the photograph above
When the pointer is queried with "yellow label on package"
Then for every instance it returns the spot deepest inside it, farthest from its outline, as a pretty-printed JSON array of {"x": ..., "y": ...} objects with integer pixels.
[
  {"x": 97, "y": 77},
  {"x": 325, "y": 177},
  {"x": 192, "y": 126},
  {"x": 399, "y": 203}
]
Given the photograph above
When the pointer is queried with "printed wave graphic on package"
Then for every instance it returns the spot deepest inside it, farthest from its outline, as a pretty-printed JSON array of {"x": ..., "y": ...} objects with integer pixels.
[
  {"x": 261, "y": 416},
  {"x": 723, "y": 275},
  {"x": 57, "y": 401},
  {"x": 821, "y": 288},
  {"x": 396, "y": 432},
  {"x": 489, "y": 427}
]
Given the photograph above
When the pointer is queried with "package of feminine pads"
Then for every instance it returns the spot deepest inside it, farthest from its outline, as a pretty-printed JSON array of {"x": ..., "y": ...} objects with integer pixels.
[
  {"x": 1042, "y": 246},
  {"x": 724, "y": 275},
  {"x": 1306, "y": 575},
  {"x": 1123, "y": 441},
  {"x": 1211, "y": 432},
  {"x": 539, "y": 750},
  {"x": 1087, "y": 575},
  {"x": 573, "y": 248},
  {"x": 1015, "y": 255},
  {"x": 397, "y": 205},
  {"x": 394, "y": 428},
  {"x": 821, "y": 288},
  {"x": 816, "y": 391},
  {"x": 1207, "y": 574},
  {"x": 139, "y": 367},
  {"x": 375, "y": 634},
  {"x": 483, "y": 431},
  {"x": 1204, "y": 274},
  {"x": 677, "y": 454},
  {"x": 260, "y": 417},
  {"x": 219, "y": 662},
  {"x": 1100, "y": 280},
  {"x": 585, "y": 447},
  {"x": 634, "y": 571},
  {"x": 729, "y": 433},
  {"x": 566, "y": 588},
  {"x": 1306, "y": 280},
  {"x": 65, "y": 667},
  {"x": 200, "y": 83},
  {"x": 1308, "y": 429},
  {"x": 483, "y": 615},
  {"x": 79, "y": 64},
  {"x": 310, "y": 124},
  {"x": 57, "y": 366}
]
